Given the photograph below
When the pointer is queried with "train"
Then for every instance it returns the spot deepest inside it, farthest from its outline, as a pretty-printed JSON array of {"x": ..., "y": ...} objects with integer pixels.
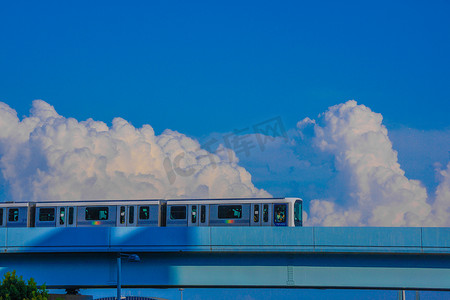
[{"x": 157, "y": 213}]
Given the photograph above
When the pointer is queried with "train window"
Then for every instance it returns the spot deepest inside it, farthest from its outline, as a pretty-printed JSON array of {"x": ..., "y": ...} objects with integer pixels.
[
  {"x": 70, "y": 215},
  {"x": 46, "y": 214},
  {"x": 144, "y": 213},
  {"x": 96, "y": 213},
  {"x": 131, "y": 214},
  {"x": 266, "y": 213},
  {"x": 13, "y": 215},
  {"x": 230, "y": 211},
  {"x": 1, "y": 216},
  {"x": 298, "y": 213},
  {"x": 203, "y": 214},
  {"x": 178, "y": 212},
  {"x": 122, "y": 215},
  {"x": 279, "y": 213},
  {"x": 62, "y": 216},
  {"x": 256, "y": 213},
  {"x": 194, "y": 214}
]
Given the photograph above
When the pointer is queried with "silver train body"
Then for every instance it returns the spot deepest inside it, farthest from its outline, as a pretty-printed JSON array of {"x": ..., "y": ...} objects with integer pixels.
[{"x": 158, "y": 213}]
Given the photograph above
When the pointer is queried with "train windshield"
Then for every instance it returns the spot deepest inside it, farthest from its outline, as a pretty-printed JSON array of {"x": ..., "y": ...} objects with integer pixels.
[{"x": 298, "y": 213}]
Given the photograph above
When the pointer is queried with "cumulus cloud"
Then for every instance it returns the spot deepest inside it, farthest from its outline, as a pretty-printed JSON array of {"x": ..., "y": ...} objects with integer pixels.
[
  {"x": 421, "y": 153},
  {"x": 47, "y": 156},
  {"x": 373, "y": 187},
  {"x": 342, "y": 163},
  {"x": 441, "y": 205}
]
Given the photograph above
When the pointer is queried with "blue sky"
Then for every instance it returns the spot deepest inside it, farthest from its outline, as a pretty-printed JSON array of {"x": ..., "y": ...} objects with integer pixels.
[
  {"x": 207, "y": 69},
  {"x": 201, "y": 67}
]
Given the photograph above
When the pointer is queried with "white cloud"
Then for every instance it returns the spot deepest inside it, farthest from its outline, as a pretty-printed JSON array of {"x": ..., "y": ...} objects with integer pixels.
[
  {"x": 47, "y": 156},
  {"x": 441, "y": 205},
  {"x": 345, "y": 168},
  {"x": 376, "y": 190},
  {"x": 344, "y": 160},
  {"x": 421, "y": 152}
]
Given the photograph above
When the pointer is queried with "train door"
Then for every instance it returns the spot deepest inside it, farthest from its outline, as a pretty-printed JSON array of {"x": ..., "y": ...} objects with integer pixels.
[
  {"x": 71, "y": 213},
  {"x": 61, "y": 216},
  {"x": 2, "y": 217},
  {"x": 204, "y": 215},
  {"x": 266, "y": 212},
  {"x": 121, "y": 216},
  {"x": 193, "y": 215},
  {"x": 162, "y": 214},
  {"x": 132, "y": 215},
  {"x": 255, "y": 214}
]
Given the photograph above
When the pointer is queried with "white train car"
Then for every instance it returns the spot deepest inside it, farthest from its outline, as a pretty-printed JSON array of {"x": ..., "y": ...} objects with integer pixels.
[
  {"x": 234, "y": 212},
  {"x": 170, "y": 213}
]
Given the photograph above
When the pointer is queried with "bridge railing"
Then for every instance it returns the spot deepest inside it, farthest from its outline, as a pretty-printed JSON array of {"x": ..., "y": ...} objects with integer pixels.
[{"x": 210, "y": 239}]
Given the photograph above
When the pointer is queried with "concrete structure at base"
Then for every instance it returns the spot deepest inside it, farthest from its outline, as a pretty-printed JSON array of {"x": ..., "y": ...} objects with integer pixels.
[
  {"x": 308, "y": 257},
  {"x": 68, "y": 297},
  {"x": 131, "y": 298}
]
